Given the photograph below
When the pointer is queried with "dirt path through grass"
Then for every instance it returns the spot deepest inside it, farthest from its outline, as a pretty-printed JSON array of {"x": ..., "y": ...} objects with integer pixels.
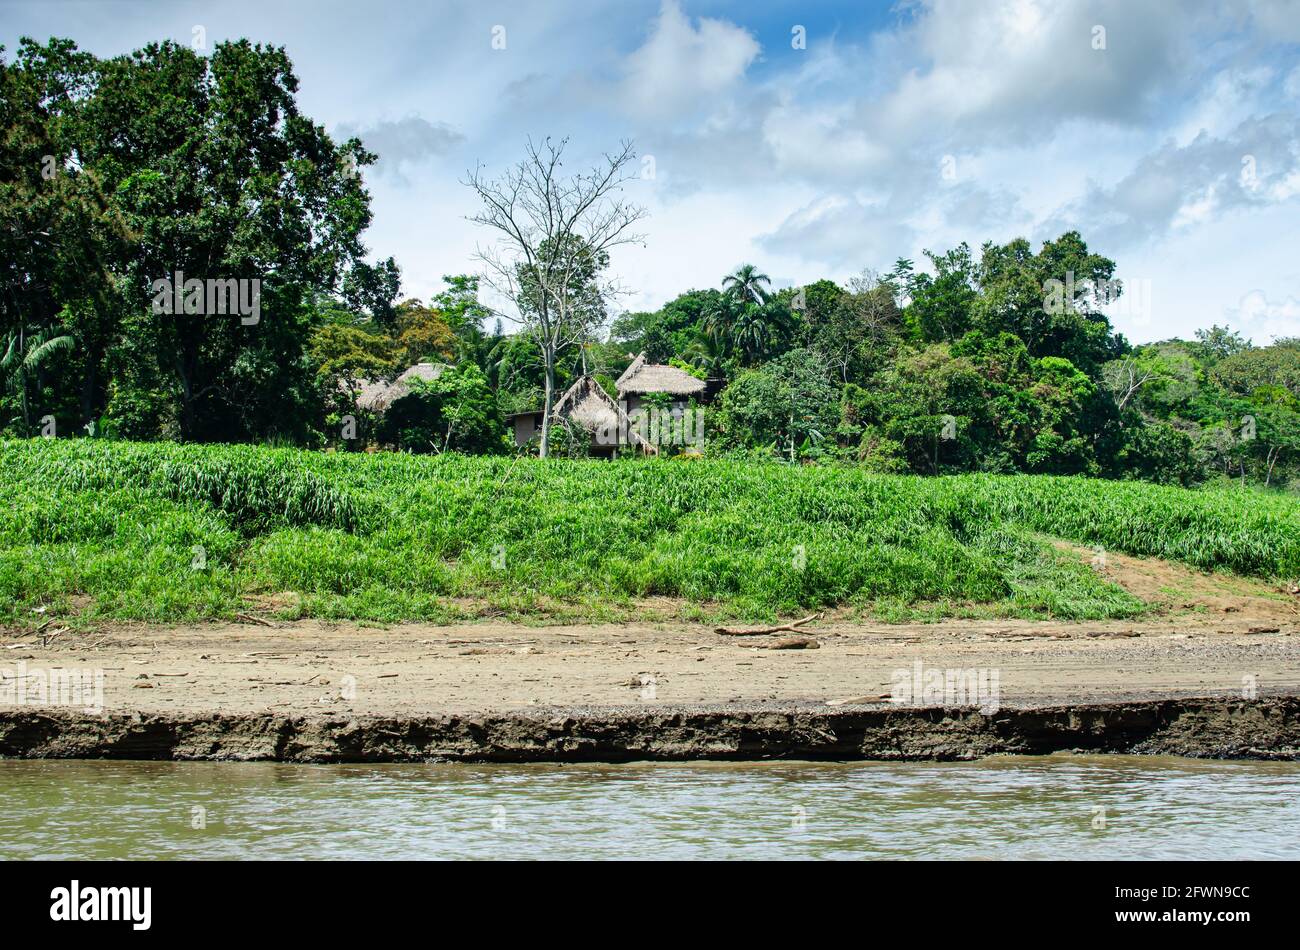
[{"x": 1176, "y": 588}]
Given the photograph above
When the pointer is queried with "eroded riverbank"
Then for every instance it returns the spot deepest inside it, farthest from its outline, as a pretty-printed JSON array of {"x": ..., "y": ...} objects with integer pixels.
[
  {"x": 1208, "y": 686},
  {"x": 1208, "y": 728}
]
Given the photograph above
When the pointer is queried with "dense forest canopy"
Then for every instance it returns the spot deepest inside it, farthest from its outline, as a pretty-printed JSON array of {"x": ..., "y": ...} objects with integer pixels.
[{"x": 117, "y": 172}]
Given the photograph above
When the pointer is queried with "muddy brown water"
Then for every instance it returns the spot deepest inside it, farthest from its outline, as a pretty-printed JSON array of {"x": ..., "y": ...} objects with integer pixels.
[{"x": 1059, "y": 806}]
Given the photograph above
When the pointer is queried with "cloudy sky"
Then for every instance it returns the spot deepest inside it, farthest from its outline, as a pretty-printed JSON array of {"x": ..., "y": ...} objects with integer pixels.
[{"x": 817, "y": 139}]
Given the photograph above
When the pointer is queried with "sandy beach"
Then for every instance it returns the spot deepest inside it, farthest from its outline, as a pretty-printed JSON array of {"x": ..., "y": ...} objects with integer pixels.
[{"x": 412, "y": 669}]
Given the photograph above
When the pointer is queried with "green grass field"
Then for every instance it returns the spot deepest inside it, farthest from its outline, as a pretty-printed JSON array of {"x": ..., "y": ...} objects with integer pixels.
[{"x": 114, "y": 530}]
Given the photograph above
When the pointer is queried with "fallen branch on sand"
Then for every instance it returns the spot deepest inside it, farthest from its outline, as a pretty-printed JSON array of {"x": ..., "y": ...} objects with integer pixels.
[
  {"x": 757, "y": 631},
  {"x": 791, "y": 643},
  {"x": 249, "y": 618}
]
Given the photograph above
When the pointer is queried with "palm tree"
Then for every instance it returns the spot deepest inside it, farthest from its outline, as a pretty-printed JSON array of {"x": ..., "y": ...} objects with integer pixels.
[
  {"x": 748, "y": 285},
  {"x": 23, "y": 357},
  {"x": 758, "y": 331},
  {"x": 704, "y": 351},
  {"x": 751, "y": 335},
  {"x": 719, "y": 320}
]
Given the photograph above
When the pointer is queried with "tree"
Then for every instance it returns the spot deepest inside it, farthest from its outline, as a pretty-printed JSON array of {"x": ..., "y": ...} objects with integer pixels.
[
  {"x": 745, "y": 330},
  {"x": 850, "y": 327},
  {"x": 553, "y": 238},
  {"x": 1125, "y": 378},
  {"x": 1252, "y": 367},
  {"x": 422, "y": 333},
  {"x": 813, "y": 305},
  {"x": 344, "y": 355},
  {"x": 206, "y": 167},
  {"x": 1277, "y": 423},
  {"x": 459, "y": 305},
  {"x": 747, "y": 285},
  {"x": 939, "y": 307},
  {"x": 644, "y": 332},
  {"x": 1052, "y": 300},
  {"x": 759, "y": 331},
  {"x": 372, "y": 289},
  {"x": 680, "y": 319},
  {"x": 1221, "y": 342},
  {"x": 1160, "y": 453},
  {"x": 788, "y": 405},
  {"x": 456, "y": 412},
  {"x": 24, "y": 356},
  {"x": 57, "y": 228}
]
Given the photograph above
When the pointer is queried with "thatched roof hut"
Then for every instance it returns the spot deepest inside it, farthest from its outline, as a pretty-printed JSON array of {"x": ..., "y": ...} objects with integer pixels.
[
  {"x": 584, "y": 404},
  {"x": 642, "y": 377},
  {"x": 377, "y": 395}
]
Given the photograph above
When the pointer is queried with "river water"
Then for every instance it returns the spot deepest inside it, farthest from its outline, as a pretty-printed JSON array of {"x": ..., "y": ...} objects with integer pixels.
[{"x": 1044, "y": 807}]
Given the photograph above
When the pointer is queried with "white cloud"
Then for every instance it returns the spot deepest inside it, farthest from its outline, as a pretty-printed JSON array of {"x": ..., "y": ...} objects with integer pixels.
[
  {"x": 843, "y": 231},
  {"x": 1291, "y": 87},
  {"x": 408, "y": 141},
  {"x": 819, "y": 143},
  {"x": 1264, "y": 320},
  {"x": 1176, "y": 186},
  {"x": 1278, "y": 19},
  {"x": 679, "y": 67},
  {"x": 985, "y": 70}
]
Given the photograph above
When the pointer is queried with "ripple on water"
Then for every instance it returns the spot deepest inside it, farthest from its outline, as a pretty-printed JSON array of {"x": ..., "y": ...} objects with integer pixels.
[{"x": 1126, "y": 807}]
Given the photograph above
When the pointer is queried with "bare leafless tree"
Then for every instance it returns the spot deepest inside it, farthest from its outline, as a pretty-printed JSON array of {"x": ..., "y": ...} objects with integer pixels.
[
  {"x": 553, "y": 235},
  {"x": 1124, "y": 379},
  {"x": 861, "y": 320}
]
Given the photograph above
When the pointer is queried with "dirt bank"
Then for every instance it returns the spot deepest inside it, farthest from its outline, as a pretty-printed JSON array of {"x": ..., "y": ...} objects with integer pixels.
[
  {"x": 1267, "y": 729},
  {"x": 1206, "y": 683}
]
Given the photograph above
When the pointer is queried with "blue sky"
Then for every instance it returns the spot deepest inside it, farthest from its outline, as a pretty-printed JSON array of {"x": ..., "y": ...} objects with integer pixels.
[{"x": 1167, "y": 132}]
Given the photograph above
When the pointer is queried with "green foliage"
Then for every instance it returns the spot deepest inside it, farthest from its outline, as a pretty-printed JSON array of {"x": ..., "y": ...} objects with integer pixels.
[
  {"x": 1249, "y": 368},
  {"x": 941, "y": 305},
  {"x": 851, "y": 329},
  {"x": 257, "y": 488},
  {"x": 1160, "y": 453},
  {"x": 748, "y": 285},
  {"x": 115, "y": 172},
  {"x": 1218, "y": 343},
  {"x": 459, "y": 305},
  {"x": 391, "y": 536},
  {"x": 371, "y": 289},
  {"x": 347, "y": 353},
  {"x": 747, "y": 330},
  {"x": 1051, "y": 300},
  {"x": 167, "y": 161},
  {"x": 423, "y": 333},
  {"x": 569, "y": 441},
  {"x": 456, "y": 412},
  {"x": 787, "y": 404},
  {"x": 22, "y": 358},
  {"x": 1238, "y": 404}
]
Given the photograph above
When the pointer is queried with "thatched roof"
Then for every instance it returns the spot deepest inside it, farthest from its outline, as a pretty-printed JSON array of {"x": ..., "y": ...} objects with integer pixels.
[
  {"x": 377, "y": 395},
  {"x": 587, "y": 404},
  {"x": 643, "y": 377}
]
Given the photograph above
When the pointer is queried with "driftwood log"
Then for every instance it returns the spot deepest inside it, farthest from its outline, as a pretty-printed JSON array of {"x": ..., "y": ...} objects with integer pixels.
[
  {"x": 757, "y": 631},
  {"x": 791, "y": 643}
]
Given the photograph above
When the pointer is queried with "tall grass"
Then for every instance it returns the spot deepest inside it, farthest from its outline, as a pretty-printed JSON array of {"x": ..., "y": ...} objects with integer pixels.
[
  {"x": 257, "y": 487},
  {"x": 391, "y": 536},
  {"x": 1244, "y": 531}
]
